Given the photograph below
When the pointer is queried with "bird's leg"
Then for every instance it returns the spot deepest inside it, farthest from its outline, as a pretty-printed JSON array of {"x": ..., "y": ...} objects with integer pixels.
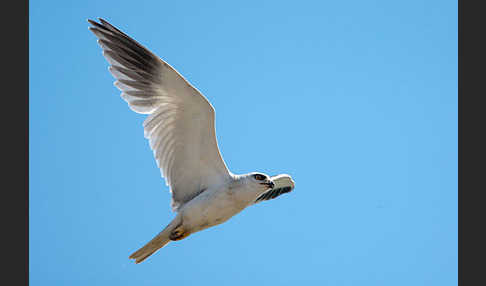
[{"x": 178, "y": 233}]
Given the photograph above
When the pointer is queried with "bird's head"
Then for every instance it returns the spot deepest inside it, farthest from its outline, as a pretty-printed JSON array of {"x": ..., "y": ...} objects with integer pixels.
[{"x": 260, "y": 180}]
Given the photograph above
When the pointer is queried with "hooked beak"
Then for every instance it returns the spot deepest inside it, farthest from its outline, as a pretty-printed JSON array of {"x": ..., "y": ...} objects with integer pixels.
[{"x": 269, "y": 184}]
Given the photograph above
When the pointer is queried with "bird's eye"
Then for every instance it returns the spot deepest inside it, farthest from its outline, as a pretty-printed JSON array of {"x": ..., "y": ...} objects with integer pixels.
[{"x": 259, "y": 177}]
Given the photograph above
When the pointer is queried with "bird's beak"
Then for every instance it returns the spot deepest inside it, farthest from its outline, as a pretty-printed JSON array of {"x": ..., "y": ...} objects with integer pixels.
[{"x": 269, "y": 184}]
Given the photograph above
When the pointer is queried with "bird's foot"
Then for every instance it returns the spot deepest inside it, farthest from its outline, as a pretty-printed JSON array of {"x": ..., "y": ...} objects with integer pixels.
[{"x": 178, "y": 234}]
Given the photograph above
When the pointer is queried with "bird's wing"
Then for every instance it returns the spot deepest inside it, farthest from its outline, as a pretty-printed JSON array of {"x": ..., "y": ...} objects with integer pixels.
[
  {"x": 180, "y": 125},
  {"x": 283, "y": 184}
]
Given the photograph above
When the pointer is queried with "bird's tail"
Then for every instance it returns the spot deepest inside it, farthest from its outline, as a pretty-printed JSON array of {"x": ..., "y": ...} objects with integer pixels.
[{"x": 159, "y": 241}]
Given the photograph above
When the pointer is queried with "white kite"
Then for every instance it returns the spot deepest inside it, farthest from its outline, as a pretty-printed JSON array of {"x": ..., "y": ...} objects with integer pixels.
[{"x": 180, "y": 128}]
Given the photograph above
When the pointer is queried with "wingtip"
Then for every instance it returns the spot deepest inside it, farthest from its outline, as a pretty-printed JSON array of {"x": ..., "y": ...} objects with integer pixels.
[
  {"x": 100, "y": 20},
  {"x": 103, "y": 21}
]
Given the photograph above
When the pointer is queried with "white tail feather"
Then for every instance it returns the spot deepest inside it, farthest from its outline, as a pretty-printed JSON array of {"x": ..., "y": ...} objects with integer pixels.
[{"x": 159, "y": 241}]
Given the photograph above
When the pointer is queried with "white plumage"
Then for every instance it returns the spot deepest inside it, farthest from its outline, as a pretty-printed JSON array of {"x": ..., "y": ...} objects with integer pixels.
[{"x": 180, "y": 129}]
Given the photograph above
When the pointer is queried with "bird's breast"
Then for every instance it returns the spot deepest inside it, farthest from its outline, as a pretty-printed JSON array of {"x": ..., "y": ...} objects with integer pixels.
[{"x": 214, "y": 207}]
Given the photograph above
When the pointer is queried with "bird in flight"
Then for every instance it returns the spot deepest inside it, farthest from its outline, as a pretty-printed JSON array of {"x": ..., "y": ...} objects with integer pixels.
[{"x": 180, "y": 129}]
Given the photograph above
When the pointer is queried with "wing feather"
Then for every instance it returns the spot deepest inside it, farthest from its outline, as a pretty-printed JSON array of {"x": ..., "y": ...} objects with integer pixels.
[
  {"x": 283, "y": 184},
  {"x": 180, "y": 125}
]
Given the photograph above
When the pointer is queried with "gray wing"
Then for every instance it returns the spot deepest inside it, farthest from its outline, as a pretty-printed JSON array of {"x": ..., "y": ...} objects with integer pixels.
[
  {"x": 283, "y": 184},
  {"x": 180, "y": 125}
]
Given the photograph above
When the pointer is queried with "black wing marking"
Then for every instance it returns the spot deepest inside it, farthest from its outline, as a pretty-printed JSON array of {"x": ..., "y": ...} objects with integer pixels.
[
  {"x": 137, "y": 70},
  {"x": 273, "y": 193}
]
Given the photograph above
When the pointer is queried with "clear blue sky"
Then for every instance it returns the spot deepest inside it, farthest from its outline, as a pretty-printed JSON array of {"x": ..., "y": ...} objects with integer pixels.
[{"x": 360, "y": 98}]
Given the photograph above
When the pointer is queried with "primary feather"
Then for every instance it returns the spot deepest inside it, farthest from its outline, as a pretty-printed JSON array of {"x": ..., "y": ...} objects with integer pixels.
[{"x": 180, "y": 125}]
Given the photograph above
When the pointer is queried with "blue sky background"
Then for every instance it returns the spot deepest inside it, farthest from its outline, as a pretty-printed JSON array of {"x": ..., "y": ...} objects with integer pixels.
[{"x": 360, "y": 98}]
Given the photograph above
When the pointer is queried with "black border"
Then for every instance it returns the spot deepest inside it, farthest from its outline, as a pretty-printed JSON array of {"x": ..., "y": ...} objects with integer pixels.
[
  {"x": 15, "y": 134},
  {"x": 471, "y": 170}
]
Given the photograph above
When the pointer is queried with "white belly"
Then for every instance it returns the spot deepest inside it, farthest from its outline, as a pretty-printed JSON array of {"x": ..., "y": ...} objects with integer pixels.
[{"x": 213, "y": 207}]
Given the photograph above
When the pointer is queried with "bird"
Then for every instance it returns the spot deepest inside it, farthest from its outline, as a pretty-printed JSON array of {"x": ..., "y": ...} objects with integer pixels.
[{"x": 180, "y": 127}]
